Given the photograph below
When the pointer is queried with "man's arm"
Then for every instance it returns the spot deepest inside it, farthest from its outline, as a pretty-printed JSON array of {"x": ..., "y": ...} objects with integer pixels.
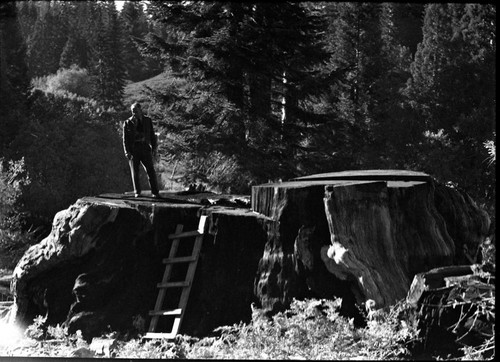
[
  {"x": 154, "y": 140},
  {"x": 126, "y": 142}
]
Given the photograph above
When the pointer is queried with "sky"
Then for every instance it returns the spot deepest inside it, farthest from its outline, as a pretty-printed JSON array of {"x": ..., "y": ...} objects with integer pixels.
[{"x": 119, "y": 4}]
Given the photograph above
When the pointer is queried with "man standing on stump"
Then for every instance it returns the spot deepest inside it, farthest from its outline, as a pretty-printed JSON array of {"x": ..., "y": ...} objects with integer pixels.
[{"x": 140, "y": 145}]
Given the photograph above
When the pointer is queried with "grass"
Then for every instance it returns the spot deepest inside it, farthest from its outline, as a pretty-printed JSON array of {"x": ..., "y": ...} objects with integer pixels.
[{"x": 137, "y": 92}]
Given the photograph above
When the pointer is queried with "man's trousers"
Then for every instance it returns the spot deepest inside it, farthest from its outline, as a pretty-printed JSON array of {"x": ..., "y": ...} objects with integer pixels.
[{"x": 142, "y": 154}]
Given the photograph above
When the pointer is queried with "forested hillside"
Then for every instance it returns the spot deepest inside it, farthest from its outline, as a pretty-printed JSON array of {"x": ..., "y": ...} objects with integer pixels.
[{"x": 248, "y": 92}]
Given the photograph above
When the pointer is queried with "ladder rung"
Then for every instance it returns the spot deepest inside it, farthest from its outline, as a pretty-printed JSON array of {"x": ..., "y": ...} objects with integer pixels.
[
  {"x": 173, "y": 284},
  {"x": 182, "y": 259},
  {"x": 160, "y": 335},
  {"x": 185, "y": 234},
  {"x": 177, "y": 311}
]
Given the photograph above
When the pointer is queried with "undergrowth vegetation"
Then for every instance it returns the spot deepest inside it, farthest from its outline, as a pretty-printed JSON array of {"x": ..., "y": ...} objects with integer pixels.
[
  {"x": 15, "y": 238},
  {"x": 309, "y": 329}
]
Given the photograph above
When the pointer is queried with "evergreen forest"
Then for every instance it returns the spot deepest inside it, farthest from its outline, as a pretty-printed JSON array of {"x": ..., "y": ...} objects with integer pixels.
[{"x": 244, "y": 93}]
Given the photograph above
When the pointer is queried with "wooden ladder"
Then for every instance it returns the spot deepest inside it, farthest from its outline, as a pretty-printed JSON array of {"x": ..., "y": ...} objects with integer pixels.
[{"x": 165, "y": 284}]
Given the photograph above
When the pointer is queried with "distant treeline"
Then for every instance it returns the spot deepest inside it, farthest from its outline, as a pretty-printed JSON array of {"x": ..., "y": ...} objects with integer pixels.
[
  {"x": 89, "y": 34},
  {"x": 253, "y": 91}
]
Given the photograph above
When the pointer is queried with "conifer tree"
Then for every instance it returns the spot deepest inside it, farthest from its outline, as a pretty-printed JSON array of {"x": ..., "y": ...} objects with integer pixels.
[
  {"x": 135, "y": 26},
  {"x": 452, "y": 90},
  {"x": 372, "y": 67},
  {"x": 238, "y": 53},
  {"x": 408, "y": 22},
  {"x": 14, "y": 80},
  {"x": 116, "y": 64},
  {"x": 290, "y": 49},
  {"x": 106, "y": 65},
  {"x": 452, "y": 67},
  {"x": 47, "y": 40},
  {"x": 82, "y": 17},
  {"x": 27, "y": 15},
  {"x": 75, "y": 52},
  {"x": 392, "y": 129},
  {"x": 76, "y": 48}
]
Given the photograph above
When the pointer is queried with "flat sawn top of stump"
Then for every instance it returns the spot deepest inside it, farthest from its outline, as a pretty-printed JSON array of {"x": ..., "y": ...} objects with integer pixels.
[{"x": 365, "y": 175}]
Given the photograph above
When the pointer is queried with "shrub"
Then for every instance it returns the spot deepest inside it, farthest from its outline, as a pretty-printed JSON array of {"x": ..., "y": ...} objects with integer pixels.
[
  {"x": 491, "y": 148},
  {"x": 37, "y": 330},
  {"x": 14, "y": 238},
  {"x": 217, "y": 171},
  {"x": 155, "y": 349},
  {"x": 71, "y": 149},
  {"x": 13, "y": 177},
  {"x": 310, "y": 329},
  {"x": 74, "y": 80}
]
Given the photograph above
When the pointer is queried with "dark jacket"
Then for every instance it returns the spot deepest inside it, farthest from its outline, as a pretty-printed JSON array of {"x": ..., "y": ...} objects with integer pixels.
[{"x": 129, "y": 134}]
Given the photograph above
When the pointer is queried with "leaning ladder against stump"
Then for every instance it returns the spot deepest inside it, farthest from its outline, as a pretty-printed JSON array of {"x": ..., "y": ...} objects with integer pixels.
[{"x": 165, "y": 284}]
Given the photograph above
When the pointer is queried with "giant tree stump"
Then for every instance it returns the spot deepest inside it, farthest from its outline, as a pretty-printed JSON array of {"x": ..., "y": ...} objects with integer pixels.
[
  {"x": 374, "y": 229},
  {"x": 356, "y": 235}
]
